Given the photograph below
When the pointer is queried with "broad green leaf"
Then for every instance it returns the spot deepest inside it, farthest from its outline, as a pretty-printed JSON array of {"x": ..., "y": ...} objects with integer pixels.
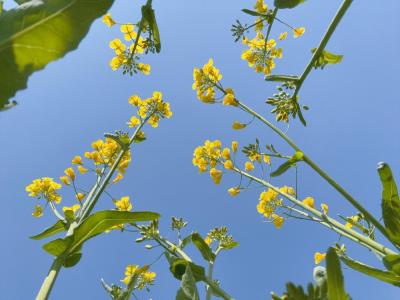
[
  {"x": 38, "y": 32},
  {"x": 392, "y": 263},
  {"x": 204, "y": 249},
  {"x": 287, "y": 3},
  {"x": 298, "y": 156},
  {"x": 253, "y": 13},
  {"x": 385, "y": 276},
  {"x": 178, "y": 268},
  {"x": 102, "y": 221},
  {"x": 72, "y": 259},
  {"x": 326, "y": 58},
  {"x": 188, "y": 289},
  {"x": 390, "y": 203},
  {"x": 334, "y": 277},
  {"x": 56, "y": 228},
  {"x": 57, "y": 247}
]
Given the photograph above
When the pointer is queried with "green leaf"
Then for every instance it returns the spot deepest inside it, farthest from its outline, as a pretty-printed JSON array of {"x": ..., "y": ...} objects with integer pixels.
[
  {"x": 390, "y": 203},
  {"x": 287, "y": 3},
  {"x": 204, "y": 249},
  {"x": 72, "y": 259},
  {"x": 392, "y": 263},
  {"x": 335, "y": 277},
  {"x": 298, "y": 156},
  {"x": 326, "y": 58},
  {"x": 149, "y": 15},
  {"x": 178, "y": 268},
  {"x": 56, "y": 228},
  {"x": 281, "y": 78},
  {"x": 58, "y": 246},
  {"x": 385, "y": 276},
  {"x": 188, "y": 289},
  {"x": 253, "y": 13},
  {"x": 102, "y": 221},
  {"x": 38, "y": 32}
]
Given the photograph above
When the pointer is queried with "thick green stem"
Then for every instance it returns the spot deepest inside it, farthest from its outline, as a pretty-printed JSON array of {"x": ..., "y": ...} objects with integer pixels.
[
  {"x": 324, "y": 41},
  {"x": 316, "y": 168},
  {"x": 50, "y": 279},
  {"x": 371, "y": 244},
  {"x": 210, "y": 275}
]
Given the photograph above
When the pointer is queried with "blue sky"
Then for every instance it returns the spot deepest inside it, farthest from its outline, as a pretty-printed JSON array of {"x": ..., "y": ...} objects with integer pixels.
[{"x": 351, "y": 127}]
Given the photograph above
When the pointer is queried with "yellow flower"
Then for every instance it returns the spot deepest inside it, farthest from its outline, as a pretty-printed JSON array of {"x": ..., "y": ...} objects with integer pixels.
[
  {"x": 234, "y": 191},
  {"x": 124, "y": 204},
  {"x": 38, "y": 212},
  {"x": 278, "y": 221},
  {"x": 208, "y": 240},
  {"x": 353, "y": 219},
  {"x": 237, "y": 126},
  {"x": 319, "y": 257},
  {"x": 70, "y": 173},
  {"x": 229, "y": 99},
  {"x": 228, "y": 165},
  {"x": 309, "y": 201},
  {"x": 267, "y": 159},
  {"x": 133, "y": 122},
  {"x": 128, "y": 30},
  {"x": 234, "y": 146},
  {"x": 108, "y": 20},
  {"x": 283, "y": 36},
  {"x": 325, "y": 208},
  {"x": 135, "y": 100},
  {"x": 226, "y": 154},
  {"x": 65, "y": 180},
  {"x": 144, "y": 277},
  {"x": 117, "y": 61},
  {"x": 248, "y": 166},
  {"x": 255, "y": 157},
  {"x": 216, "y": 175},
  {"x": 260, "y": 6},
  {"x": 44, "y": 188},
  {"x": 72, "y": 208},
  {"x": 298, "y": 32},
  {"x": 288, "y": 190},
  {"x": 117, "y": 46},
  {"x": 77, "y": 160},
  {"x": 80, "y": 197},
  {"x": 82, "y": 170},
  {"x": 118, "y": 178},
  {"x": 144, "y": 68}
]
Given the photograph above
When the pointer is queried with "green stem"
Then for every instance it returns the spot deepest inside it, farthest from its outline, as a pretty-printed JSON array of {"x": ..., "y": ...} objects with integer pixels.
[
  {"x": 316, "y": 168},
  {"x": 373, "y": 245},
  {"x": 50, "y": 279},
  {"x": 324, "y": 41},
  {"x": 210, "y": 275}
]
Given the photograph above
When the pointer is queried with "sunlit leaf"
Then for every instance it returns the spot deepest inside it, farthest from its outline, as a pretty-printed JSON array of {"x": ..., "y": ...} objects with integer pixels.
[
  {"x": 56, "y": 228},
  {"x": 38, "y": 32}
]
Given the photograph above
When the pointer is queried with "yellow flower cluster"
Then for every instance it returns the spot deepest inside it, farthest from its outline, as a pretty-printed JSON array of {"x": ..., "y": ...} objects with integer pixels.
[
  {"x": 153, "y": 108},
  {"x": 105, "y": 153},
  {"x": 261, "y": 53},
  {"x": 207, "y": 155},
  {"x": 145, "y": 277},
  {"x": 268, "y": 203},
  {"x": 45, "y": 188},
  {"x": 127, "y": 56},
  {"x": 205, "y": 81},
  {"x": 309, "y": 201}
]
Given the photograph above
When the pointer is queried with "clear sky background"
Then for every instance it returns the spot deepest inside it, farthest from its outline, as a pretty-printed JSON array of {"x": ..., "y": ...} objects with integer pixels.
[{"x": 352, "y": 125}]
